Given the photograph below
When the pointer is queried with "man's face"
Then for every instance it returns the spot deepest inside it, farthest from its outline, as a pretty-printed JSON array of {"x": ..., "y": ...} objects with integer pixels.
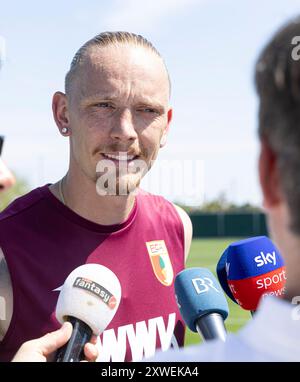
[{"x": 118, "y": 104}]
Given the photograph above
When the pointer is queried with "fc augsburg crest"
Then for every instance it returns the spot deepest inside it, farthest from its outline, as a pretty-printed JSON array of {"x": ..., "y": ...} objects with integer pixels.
[{"x": 160, "y": 261}]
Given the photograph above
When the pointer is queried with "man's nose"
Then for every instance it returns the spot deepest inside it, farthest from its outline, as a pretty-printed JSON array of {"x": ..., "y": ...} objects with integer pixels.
[{"x": 124, "y": 128}]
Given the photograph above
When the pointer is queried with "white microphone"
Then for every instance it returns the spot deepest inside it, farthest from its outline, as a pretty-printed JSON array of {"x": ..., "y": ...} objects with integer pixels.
[{"x": 89, "y": 299}]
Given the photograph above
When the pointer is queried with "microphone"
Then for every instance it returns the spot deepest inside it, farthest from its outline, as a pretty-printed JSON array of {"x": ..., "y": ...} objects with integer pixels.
[
  {"x": 254, "y": 269},
  {"x": 88, "y": 299},
  {"x": 202, "y": 303},
  {"x": 222, "y": 275}
]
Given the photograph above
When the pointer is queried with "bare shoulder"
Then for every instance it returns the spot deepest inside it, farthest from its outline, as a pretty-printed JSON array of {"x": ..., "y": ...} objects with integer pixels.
[
  {"x": 188, "y": 229},
  {"x": 6, "y": 296}
]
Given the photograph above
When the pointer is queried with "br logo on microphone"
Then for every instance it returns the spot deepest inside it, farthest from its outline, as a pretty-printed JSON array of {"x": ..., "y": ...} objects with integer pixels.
[
  {"x": 202, "y": 285},
  {"x": 269, "y": 258},
  {"x": 97, "y": 289}
]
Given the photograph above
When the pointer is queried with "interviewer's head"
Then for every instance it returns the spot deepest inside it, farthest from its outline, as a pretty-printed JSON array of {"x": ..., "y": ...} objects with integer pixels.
[{"x": 277, "y": 80}]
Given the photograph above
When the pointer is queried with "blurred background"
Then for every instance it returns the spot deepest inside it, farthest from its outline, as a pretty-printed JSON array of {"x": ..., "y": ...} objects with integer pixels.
[{"x": 210, "y": 48}]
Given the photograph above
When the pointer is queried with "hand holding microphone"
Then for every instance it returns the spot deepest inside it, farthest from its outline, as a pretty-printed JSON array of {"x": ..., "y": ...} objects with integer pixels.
[
  {"x": 43, "y": 349},
  {"x": 202, "y": 303},
  {"x": 89, "y": 299}
]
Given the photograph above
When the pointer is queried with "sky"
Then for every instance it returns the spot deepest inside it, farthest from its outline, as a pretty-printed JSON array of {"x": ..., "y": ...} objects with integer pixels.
[{"x": 210, "y": 48}]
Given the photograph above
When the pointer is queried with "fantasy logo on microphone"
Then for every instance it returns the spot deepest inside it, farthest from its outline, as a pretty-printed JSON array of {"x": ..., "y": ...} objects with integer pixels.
[
  {"x": 97, "y": 289},
  {"x": 269, "y": 258}
]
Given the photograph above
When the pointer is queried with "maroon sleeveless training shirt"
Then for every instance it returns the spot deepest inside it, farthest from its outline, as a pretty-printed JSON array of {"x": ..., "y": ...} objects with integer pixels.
[{"x": 43, "y": 241}]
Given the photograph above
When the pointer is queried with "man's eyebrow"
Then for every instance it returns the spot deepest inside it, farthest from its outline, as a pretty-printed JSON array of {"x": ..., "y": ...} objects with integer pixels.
[
  {"x": 150, "y": 102},
  {"x": 146, "y": 101},
  {"x": 97, "y": 96}
]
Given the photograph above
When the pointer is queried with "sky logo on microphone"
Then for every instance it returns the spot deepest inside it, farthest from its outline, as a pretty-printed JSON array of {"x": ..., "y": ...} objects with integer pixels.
[
  {"x": 269, "y": 258},
  {"x": 96, "y": 289}
]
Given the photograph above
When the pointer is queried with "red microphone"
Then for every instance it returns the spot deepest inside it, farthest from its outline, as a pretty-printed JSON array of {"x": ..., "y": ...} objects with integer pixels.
[{"x": 254, "y": 270}]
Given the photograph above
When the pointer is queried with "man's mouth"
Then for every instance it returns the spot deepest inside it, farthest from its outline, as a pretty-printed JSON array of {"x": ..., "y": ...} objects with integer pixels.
[
  {"x": 120, "y": 157},
  {"x": 123, "y": 162}
]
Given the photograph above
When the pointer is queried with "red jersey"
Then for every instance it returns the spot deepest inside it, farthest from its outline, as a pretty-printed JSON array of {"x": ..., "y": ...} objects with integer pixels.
[{"x": 43, "y": 241}]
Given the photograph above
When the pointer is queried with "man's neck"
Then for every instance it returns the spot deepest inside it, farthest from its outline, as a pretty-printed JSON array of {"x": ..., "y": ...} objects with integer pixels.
[{"x": 86, "y": 202}]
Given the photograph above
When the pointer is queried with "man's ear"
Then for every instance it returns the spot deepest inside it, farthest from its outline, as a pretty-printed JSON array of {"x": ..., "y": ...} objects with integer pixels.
[
  {"x": 163, "y": 139},
  {"x": 60, "y": 111},
  {"x": 269, "y": 176}
]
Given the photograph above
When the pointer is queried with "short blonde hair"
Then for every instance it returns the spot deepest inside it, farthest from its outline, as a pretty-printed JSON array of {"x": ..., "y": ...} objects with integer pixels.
[{"x": 105, "y": 39}]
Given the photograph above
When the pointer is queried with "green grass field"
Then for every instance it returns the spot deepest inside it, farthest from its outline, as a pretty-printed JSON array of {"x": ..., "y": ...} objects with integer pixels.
[{"x": 206, "y": 253}]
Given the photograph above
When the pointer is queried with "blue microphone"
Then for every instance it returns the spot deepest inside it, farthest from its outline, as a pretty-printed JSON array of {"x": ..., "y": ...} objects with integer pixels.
[
  {"x": 250, "y": 269},
  {"x": 202, "y": 303},
  {"x": 254, "y": 269}
]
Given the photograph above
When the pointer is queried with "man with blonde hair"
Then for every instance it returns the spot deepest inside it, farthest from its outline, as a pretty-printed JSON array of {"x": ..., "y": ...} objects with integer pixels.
[{"x": 116, "y": 115}]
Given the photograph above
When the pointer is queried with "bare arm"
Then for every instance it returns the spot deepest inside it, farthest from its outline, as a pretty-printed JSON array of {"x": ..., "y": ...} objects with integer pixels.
[
  {"x": 6, "y": 297},
  {"x": 188, "y": 230}
]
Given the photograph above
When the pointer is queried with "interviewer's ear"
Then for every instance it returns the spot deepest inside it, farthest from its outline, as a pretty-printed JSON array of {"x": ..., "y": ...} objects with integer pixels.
[
  {"x": 269, "y": 176},
  {"x": 61, "y": 113}
]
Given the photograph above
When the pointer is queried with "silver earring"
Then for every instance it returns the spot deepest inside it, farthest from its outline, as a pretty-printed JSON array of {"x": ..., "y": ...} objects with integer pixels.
[
  {"x": 64, "y": 130},
  {"x": 163, "y": 141}
]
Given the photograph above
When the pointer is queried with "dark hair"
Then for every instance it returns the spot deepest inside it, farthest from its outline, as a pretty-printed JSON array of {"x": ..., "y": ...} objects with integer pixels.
[{"x": 277, "y": 79}]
